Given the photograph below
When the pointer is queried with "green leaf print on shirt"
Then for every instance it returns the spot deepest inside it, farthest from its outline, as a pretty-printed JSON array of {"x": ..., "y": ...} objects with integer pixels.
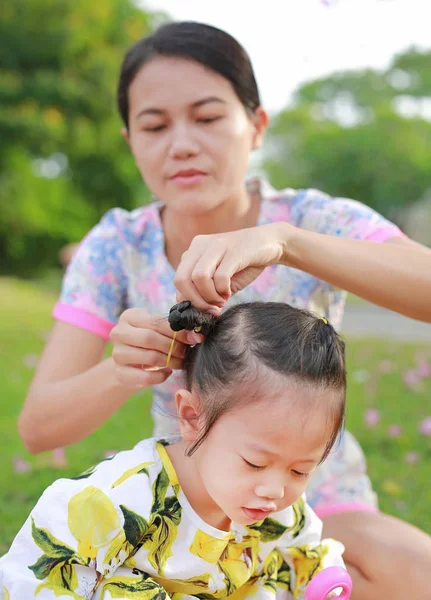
[
  {"x": 163, "y": 526},
  {"x": 135, "y": 526},
  {"x": 271, "y": 530},
  {"x": 91, "y": 470},
  {"x": 56, "y": 565},
  {"x": 52, "y": 547},
  {"x": 142, "y": 588}
]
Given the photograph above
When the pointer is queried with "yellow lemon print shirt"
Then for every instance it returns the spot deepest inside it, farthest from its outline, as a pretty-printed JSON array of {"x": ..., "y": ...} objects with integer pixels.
[{"x": 125, "y": 530}]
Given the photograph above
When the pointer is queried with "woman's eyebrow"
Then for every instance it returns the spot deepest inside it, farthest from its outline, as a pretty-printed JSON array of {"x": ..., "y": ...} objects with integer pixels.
[{"x": 158, "y": 111}]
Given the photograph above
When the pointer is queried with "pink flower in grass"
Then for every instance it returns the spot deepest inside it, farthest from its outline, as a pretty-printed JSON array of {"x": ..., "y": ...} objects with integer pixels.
[
  {"x": 394, "y": 430},
  {"x": 425, "y": 427},
  {"x": 59, "y": 459},
  {"x": 411, "y": 378},
  {"x": 424, "y": 369},
  {"x": 386, "y": 366},
  {"x": 20, "y": 465},
  {"x": 372, "y": 417},
  {"x": 411, "y": 458}
]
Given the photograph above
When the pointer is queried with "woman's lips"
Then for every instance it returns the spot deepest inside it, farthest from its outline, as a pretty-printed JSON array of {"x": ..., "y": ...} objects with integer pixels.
[{"x": 189, "y": 177}]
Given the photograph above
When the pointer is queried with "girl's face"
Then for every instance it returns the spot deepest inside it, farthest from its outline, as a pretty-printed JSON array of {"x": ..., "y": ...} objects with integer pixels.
[
  {"x": 258, "y": 459},
  {"x": 190, "y": 134}
]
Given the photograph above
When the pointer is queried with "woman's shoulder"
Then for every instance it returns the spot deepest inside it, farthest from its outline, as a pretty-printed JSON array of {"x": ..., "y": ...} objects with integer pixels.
[
  {"x": 298, "y": 197},
  {"x": 288, "y": 204},
  {"x": 316, "y": 210},
  {"x": 130, "y": 225}
]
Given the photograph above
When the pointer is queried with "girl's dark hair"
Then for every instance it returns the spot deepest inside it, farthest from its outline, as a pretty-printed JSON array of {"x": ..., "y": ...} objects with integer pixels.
[
  {"x": 207, "y": 45},
  {"x": 253, "y": 336}
]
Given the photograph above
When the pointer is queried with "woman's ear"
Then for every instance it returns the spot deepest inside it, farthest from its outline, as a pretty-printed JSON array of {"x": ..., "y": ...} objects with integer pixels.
[
  {"x": 125, "y": 135},
  {"x": 260, "y": 121},
  {"x": 188, "y": 415}
]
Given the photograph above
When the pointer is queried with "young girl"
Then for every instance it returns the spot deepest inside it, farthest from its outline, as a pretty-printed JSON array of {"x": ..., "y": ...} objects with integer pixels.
[{"x": 219, "y": 511}]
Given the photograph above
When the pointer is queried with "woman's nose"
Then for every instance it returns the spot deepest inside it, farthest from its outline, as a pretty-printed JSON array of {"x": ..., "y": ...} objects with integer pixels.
[{"x": 183, "y": 145}]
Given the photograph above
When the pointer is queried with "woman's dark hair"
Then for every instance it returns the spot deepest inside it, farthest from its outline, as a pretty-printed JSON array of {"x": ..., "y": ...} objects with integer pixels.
[
  {"x": 253, "y": 336},
  {"x": 207, "y": 45}
]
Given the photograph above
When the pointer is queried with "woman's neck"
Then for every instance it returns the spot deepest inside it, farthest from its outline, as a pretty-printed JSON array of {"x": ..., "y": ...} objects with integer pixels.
[{"x": 179, "y": 230}]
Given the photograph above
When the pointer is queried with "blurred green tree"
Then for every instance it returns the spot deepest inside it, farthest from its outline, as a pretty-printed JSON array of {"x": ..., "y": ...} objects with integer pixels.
[
  {"x": 363, "y": 134},
  {"x": 62, "y": 160}
]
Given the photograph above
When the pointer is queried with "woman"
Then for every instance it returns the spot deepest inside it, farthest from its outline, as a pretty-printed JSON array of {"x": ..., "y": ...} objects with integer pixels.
[{"x": 192, "y": 114}]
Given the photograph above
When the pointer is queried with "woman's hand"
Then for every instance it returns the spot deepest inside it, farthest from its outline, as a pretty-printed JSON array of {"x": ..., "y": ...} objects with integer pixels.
[
  {"x": 141, "y": 346},
  {"x": 219, "y": 265}
]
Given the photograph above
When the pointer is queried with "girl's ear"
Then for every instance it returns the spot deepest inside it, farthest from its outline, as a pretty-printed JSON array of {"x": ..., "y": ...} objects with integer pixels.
[{"x": 188, "y": 415}]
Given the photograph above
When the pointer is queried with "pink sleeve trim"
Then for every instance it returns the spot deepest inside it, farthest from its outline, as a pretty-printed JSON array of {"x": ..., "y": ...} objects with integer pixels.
[
  {"x": 326, "y": 511},
  {"x": 82, "y": 319},
  {"x": 385, "y": 233}
]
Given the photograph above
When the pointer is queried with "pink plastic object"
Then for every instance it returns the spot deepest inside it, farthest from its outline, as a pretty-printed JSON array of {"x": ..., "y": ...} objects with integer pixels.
[{"x": 327, "y": 581}]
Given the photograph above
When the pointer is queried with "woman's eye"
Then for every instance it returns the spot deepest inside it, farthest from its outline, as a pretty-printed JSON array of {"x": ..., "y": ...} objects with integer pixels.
[
  {"x": 156, "y": 128},
  {"x": 256, "y": 467}
]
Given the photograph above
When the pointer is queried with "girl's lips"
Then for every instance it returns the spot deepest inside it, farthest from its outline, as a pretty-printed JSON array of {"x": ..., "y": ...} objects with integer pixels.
[{"x": 256, "y": 514}]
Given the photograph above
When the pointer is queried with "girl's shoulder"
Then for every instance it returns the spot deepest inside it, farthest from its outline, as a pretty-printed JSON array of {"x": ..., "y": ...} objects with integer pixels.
[{"x": 114, "y": 470}]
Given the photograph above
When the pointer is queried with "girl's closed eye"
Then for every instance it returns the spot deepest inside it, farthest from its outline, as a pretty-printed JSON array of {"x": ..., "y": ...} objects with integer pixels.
[
  {"x": 251, "y": 465},
  {"x": 300, "y": 474}
]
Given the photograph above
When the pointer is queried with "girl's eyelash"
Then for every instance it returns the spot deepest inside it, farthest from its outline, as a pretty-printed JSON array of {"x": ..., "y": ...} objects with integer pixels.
[
  {"x": 209, "y": 120},
  {"x": 256, "y": 467},
  {"x": 299, "y": 474},
  {"x": 260, "y": 467}
]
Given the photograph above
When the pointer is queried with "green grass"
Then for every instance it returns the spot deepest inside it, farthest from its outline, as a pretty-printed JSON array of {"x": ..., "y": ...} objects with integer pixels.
[{"x": 24, "y": 323}]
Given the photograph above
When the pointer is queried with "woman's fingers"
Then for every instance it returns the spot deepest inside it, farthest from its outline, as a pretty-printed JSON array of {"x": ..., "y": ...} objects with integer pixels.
[
  {"x": 216, "y": 266},
  {"x": 141, "y": 346},
  {"x": 212, "y": 283},
  {"x": 194, "y": 275},
  {"x": 138, "y": 378},
  {"x": 128, "y": 355},
  {"x": 150, "y": 340},
  {"x": 194, "y": 338}
]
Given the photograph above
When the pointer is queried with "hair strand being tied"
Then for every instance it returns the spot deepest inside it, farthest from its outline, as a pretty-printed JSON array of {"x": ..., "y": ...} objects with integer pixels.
[{"x": 185, "y": 316}]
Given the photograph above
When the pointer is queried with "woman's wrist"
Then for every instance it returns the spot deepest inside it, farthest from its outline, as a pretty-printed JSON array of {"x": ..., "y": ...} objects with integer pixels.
[
  {"x": 290, "y": 239},
  {"x": 112, "y": 384}
]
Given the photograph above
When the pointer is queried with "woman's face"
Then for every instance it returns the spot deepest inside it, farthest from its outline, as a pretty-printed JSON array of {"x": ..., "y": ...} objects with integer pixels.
[{"x": 190, "y": 134}]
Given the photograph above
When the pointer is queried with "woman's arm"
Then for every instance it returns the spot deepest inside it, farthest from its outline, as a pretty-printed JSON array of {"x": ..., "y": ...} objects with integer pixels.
[
  {"x": 395, "y": 274},
  {"x": 72, "y": 392}
]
